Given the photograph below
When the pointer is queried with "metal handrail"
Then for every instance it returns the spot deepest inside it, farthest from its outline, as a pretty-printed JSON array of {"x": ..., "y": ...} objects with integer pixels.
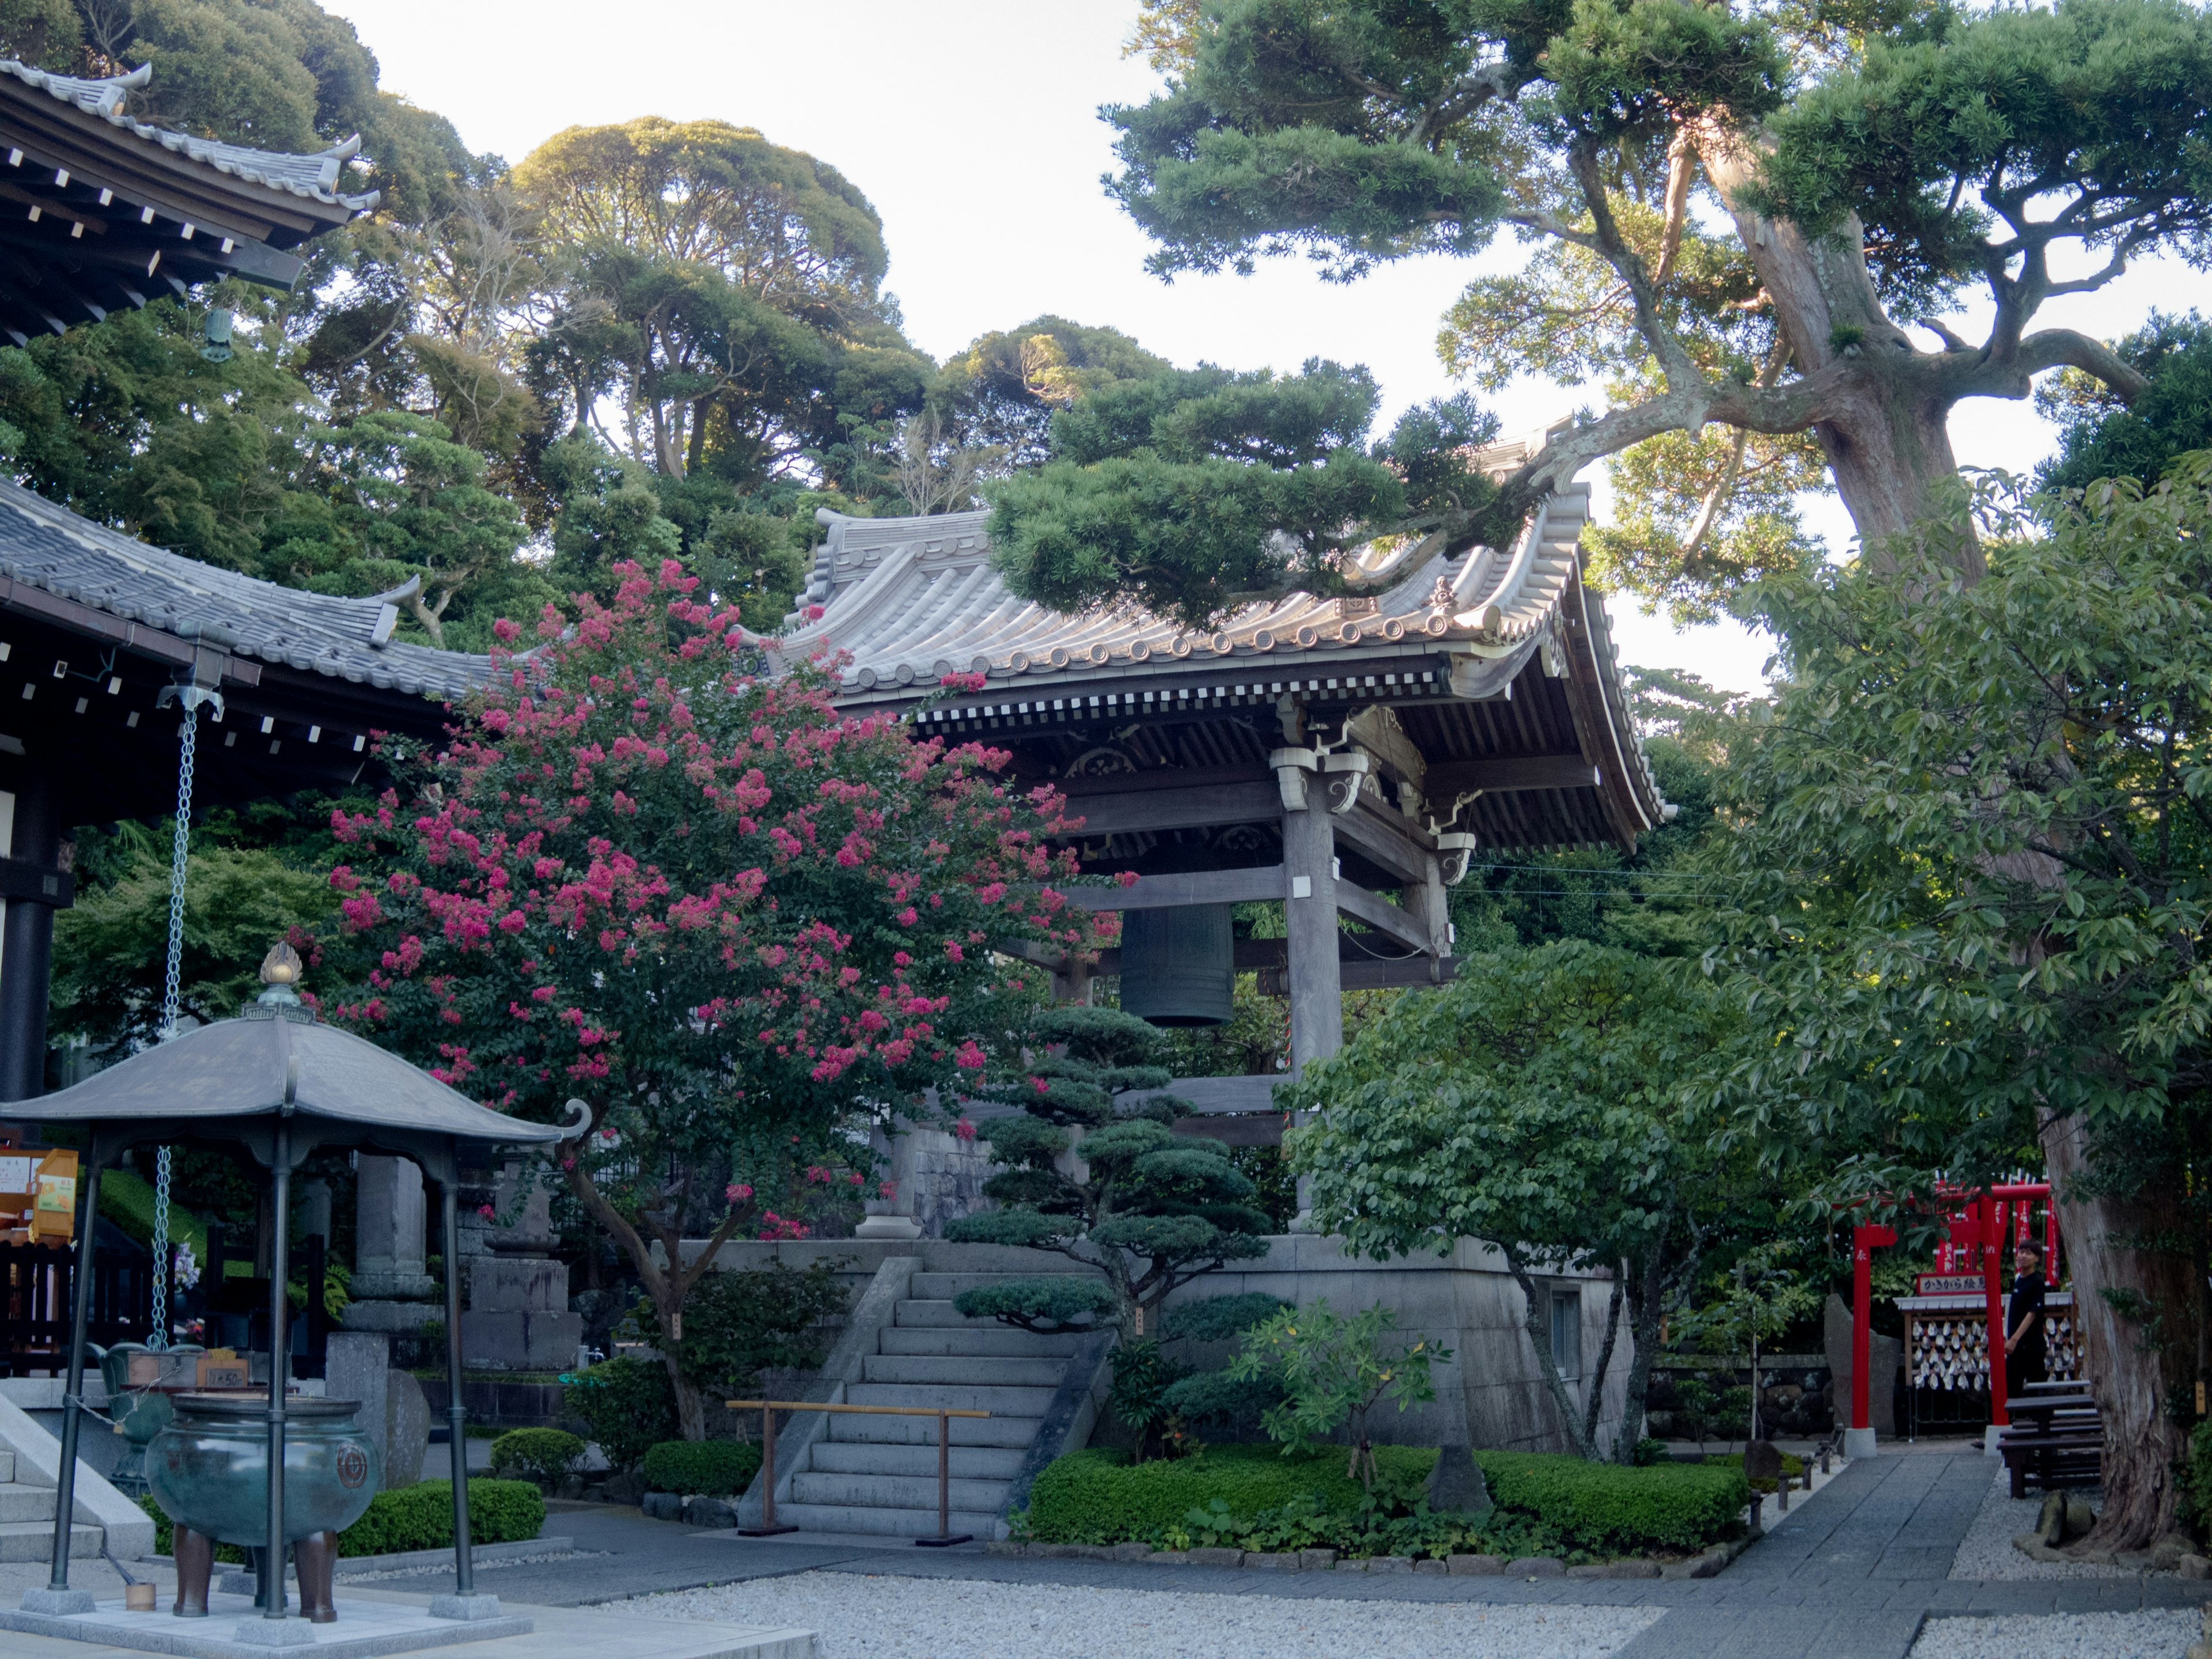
[{"x": 769, "y": 1408}]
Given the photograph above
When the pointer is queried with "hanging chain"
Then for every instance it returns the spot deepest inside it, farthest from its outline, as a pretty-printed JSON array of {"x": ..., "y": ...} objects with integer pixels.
[{"x": 180, "y": 849}]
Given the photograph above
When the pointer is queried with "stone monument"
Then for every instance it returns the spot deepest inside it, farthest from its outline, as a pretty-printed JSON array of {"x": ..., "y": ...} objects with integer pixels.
[
  {"x": 393, "y": 1408},
  {"x": 517, "y": 1316},
  {"x": 392, "y": 1285},
  {"x": 1885, "y": 1358}
]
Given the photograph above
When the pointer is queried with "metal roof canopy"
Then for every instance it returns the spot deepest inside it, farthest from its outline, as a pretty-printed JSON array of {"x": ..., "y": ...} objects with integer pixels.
[{"x": 280, "y": 1083}]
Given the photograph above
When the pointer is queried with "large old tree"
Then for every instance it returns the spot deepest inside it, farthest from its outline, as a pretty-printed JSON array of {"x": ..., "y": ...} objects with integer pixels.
[
  {"x": 1738, "y": 218},
  {"x": 1748, "y": 224}
]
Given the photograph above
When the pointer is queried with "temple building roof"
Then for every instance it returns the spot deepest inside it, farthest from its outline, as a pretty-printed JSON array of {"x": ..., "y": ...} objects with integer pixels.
[
  {"x": 1493, "y": 659},
  {"x": 100, "y": 211},
  {"x": 115, "y": 584}
]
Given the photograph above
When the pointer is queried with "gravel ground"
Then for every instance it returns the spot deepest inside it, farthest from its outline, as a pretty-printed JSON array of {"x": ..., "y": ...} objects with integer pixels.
[
  {"x": 2161, "y": 1635},
  {"x": 1987, "y": 1551},
  {"x": 892, "y": 1618}
]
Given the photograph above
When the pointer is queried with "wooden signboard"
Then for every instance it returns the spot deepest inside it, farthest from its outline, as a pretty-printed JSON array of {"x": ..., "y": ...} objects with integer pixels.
[{"x": 1948, "y": 1285}]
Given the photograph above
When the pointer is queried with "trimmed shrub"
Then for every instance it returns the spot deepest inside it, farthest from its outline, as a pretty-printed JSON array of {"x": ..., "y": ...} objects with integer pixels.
[
  {"x": 1098, "y": 1496},
  {"x": 417, "y": 1517},
  {"x": 540, "y": 1455},
  {"x": 626, "y": 1403},
  {"x": 1220, "y": 1318},
  {"x": 1047, "y": 1303},
  {"x": 713, "y": 1468},
  {"x": 1605, "y": 1508},
  {"x": 421, "y": 1517}
]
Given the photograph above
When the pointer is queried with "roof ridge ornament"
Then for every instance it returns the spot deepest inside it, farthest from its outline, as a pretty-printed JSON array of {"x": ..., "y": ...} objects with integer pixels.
[{"x": 280, "y": 970}]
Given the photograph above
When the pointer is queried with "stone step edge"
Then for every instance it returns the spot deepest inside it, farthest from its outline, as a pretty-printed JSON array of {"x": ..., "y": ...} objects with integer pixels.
[
  {"x": 478, "y": 1554},
  {"x": 1702, "y": 1566}
]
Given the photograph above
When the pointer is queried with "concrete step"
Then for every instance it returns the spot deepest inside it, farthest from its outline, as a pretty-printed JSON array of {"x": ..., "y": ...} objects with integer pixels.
[
  {"x": 993, "y": 1339},
  {"x": 880, "y": 1457},
  {"x": 963, "y": 1370},
  {"x": 956, "y": 1396},
  {"x": 7, "y": 1467},
  {"x": 1003, "y": 1432},
  {"x": 892, "y": 1524},
  {"x": 896, "y": 1491},
  {"x": 30, "y": 1541},
  {"x": 27, "y": 1504},
  {"x": 938, "y": 1313},
  {"x": 946, "y": 1286}
]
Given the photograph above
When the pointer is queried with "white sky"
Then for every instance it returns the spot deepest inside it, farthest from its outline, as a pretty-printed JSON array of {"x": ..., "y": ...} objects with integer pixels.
[{"x": 972, "y": 126}]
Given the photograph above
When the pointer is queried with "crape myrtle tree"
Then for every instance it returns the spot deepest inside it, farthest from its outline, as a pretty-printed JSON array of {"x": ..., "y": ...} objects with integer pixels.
[
  {"x": 704, "y": 902},
  {"x": 1736, "y": 215},
  {"x": 1973, "y": 872},
  {"x": 1111, "y": 1186},
  {"x": 1546, "y": 1100}
]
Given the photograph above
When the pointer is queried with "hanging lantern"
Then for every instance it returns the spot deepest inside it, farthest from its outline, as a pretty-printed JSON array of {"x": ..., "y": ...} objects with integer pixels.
[{"x": 1179, "y": 965}]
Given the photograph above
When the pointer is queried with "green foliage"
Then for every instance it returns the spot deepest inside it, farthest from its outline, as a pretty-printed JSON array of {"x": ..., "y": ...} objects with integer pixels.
[
  {"x": 1195, "y": 489},
  {"x": 543, "y": 1455},
  {"x": 109, "y": 945},
  {"x": 1607, "y": 1507},
  {"x": 417, "y": 1517},
  {"x": 1047, "y": 1303},
  {"x": 421, "y": 1517},
  {"x": 1143, "y": 1374},
  {"x": 1220, "y": 1318},
  {"x": 1155, "y": 1210},
  {"x": 1332, "y": 1370},
  {"x": 1548, "y": 1100},
  {"x": 626, "y": 1404},
  {"x": 1249, "y": 1497},
  {"x": 714, "y": 1468},
  {"x": 2197, "y": 1478},
  {"x": 2104, "y": 438},
  {"x": 738, "y": 1323}
]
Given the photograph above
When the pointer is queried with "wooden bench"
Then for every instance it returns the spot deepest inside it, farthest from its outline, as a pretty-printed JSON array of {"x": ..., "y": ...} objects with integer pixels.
[{"x": 2056, "y": 1440}]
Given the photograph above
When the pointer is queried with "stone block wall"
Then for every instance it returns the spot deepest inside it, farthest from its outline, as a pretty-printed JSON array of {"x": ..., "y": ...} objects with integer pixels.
[{"x": 1490, "y": 1394}]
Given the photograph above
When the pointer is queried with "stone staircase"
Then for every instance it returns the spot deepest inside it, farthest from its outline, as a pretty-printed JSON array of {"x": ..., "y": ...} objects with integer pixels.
[
  {"x": 878, "y": 1474},
  {"x": 26, "y": 1520}
]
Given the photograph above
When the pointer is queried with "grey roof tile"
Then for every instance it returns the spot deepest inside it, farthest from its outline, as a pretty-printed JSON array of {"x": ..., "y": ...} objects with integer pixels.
[
  {"x": 49, "y": 547},
  {"x": 314, "y": 175}
]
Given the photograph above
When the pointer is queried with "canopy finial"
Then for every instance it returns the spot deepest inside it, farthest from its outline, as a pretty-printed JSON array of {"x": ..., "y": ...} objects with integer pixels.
[{"x": 280, "y": 970}]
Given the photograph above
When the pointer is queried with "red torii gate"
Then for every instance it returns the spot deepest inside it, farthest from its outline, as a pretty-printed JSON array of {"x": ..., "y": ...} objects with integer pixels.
[{"x": 1987, "y": 1212}]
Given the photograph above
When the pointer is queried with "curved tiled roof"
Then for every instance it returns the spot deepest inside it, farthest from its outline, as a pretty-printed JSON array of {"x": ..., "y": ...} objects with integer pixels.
[
  {"x": 48, "y": 547},
  {"x": 314, "y": 175},
  {"x": 914, "y": 599}
]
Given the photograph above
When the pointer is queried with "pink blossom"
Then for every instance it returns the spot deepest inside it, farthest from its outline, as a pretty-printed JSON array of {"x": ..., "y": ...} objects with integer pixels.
[
  {"x": 963, "y": 1130},
  {"x": 737, "y": 1191},
  {"x": 887, "y": 1189},
  {"x": 486, "y": 1211}
]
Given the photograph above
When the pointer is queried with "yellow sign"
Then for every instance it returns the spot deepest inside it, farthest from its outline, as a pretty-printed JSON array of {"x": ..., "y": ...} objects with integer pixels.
[{"x": 54, "y": 1211}]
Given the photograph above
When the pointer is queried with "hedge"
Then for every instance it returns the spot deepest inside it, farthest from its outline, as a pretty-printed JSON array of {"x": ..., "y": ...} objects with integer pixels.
[
  {"x": 1605, "y": 1507},
  {"x": 417, "y": 1517},
  {"x": 1096, "y": 1497},
  {"x": 543, "y": 1455},
  {"x": 712, "y": 1468}
]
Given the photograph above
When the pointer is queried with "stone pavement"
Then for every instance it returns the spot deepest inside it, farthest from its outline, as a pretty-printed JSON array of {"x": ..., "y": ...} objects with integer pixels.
[{"x": 1849, "y": 1574}]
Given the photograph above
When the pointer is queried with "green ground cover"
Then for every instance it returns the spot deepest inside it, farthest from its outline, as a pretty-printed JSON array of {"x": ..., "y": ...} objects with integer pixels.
[{"x": 1255, "y": 1498}]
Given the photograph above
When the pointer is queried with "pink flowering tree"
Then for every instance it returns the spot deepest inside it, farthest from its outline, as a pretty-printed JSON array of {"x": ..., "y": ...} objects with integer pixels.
[{"x": 703, "y": 901}]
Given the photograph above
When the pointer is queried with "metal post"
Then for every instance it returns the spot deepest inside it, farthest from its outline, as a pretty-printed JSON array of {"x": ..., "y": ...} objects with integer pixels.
[
  {"x": 944, "y": 1479},
  {"x": 72, "y": 1405},
  {"x": 280, "y": 1362},
  {"x": 456, "y": 1413}
]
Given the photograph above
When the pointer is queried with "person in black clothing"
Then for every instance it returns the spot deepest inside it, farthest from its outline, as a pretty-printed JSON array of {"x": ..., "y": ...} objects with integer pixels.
[{"x": 2026, "y": 1353}]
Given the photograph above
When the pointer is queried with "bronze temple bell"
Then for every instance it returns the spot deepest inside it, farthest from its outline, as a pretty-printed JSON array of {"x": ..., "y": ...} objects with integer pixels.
[{"x": 1179, "y": 964}]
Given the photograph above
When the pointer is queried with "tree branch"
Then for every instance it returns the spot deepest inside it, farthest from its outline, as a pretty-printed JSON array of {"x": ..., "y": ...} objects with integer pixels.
[{"x": 1681, "y": 168}]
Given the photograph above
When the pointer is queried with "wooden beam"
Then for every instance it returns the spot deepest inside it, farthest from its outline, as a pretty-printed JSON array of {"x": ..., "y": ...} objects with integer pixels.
[
  {"x": 1090, "y": 785},
  {"x": 1381, "y": 914},
  {"x": 1500, "y": 773},
  {"x": 1249, "y": 886},
  {"x": 1190, "y": 808},
  {"x": 1408, "y": 973},
  {"x": 1388, "y": 839}
]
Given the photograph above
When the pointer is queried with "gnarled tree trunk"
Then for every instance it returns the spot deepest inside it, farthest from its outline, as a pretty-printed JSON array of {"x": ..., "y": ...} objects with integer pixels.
[{"x": 2134, "y": 1311}]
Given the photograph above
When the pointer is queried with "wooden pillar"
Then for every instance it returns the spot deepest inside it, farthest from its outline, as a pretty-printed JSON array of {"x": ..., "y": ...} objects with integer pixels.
[
  {"x": 30, "y": 831},
  {"x": 1428, "y": 902},
  {"x": 1316, "y": 983}
]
